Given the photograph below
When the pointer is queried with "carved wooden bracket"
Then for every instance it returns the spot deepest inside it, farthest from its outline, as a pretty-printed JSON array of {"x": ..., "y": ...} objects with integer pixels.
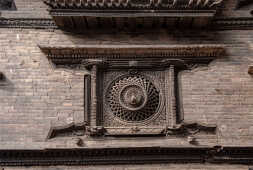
[
  {"x": 186, "y": 129},
  {"x": 67, "y": 130},
  {"x": 133, "y": 90}
]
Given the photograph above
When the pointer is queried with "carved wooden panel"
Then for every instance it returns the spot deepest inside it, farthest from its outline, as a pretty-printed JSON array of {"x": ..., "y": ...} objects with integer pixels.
[{"x": 134, "y": 100}]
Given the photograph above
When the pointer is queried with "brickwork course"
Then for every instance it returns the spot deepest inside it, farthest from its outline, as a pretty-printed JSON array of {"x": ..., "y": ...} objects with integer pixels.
[{"x": 38, "y": 95}]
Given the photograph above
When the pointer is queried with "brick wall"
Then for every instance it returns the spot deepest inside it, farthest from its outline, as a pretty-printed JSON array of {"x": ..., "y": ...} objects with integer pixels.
[
  {"x": 38, "y": 95},
  {"x": 28, "y": 9}
]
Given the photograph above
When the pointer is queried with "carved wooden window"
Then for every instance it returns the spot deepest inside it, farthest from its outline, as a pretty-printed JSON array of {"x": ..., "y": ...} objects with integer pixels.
[{"x": 133, "y": 90}]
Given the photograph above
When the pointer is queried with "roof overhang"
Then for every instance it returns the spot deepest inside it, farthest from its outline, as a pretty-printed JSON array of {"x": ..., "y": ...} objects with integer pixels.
[{"x": 90, "y": 14}]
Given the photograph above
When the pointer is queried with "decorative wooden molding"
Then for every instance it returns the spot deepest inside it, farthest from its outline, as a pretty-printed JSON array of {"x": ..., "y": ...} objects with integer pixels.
[
  {"x": 232, "y": 23},
  {"x": 112, "y": 156},
  {"x": 133, "y": 4},
  {"x": 201, "y": 54},
  {"x": 39, "y": 23}
]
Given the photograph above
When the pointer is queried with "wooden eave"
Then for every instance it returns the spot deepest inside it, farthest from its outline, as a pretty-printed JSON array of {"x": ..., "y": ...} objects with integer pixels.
[
  {"x": 89, "y": 14},
  {"x": 132, "y": 4}
]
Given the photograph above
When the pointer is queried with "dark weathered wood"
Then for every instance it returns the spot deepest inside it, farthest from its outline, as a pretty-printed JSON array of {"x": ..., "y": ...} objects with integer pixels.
[
  {"x": 110, "y": 156},
  {"x": 87, "y": 97}
]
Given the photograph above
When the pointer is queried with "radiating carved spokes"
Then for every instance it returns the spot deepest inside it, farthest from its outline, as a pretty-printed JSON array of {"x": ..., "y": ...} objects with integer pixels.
[{"x": 133, "y": 98}]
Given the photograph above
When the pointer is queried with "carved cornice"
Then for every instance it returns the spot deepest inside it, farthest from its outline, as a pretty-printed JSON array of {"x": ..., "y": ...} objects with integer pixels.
[
  {"x": 232, "y": 24},
  {"x": 38, "y": 23},
  {"x": 41, "y": 23},
  {"x": 154, "y": 54},
  {"x": 143, "y": 155},
  {"x": 130, "y": 4},
  {"x": 132, "y": 13}
]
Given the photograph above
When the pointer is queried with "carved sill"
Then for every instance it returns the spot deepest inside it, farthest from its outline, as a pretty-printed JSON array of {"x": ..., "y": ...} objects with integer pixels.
[{"x": 183, "y": 129}]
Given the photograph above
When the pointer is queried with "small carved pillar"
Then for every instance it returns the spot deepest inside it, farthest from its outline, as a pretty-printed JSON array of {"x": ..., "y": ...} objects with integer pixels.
[
  {"x": 93, "y": 112},
  {"x": 92, "y": 105},
  {"x": 87, "y": 98},
  {"x": 172, "y": 67},
  {"x": 171, "y": 114}
]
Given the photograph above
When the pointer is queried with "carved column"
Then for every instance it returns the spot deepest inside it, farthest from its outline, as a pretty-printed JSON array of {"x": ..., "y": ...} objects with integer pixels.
[
  {"x": 172, "y": 101},
  {"x": 92, "y": 88},
  {"x": 93, "y": 111},
  {"x": 87, "y": 98}
]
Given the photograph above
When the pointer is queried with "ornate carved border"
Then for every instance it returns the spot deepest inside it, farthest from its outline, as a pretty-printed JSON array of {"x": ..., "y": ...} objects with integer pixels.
[
  {"x": 130, "y": 4},
  {"x": 201, "y": 54},
  {"x": 232, "y": 24},
  {"x": 143, "y": 155},
  {"x": 38, "y": 23},
  {"x": 42, "y": 23}
]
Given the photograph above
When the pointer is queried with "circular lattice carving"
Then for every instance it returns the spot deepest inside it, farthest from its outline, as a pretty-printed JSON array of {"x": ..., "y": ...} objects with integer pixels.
[{"x": 133, "y": 98}]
